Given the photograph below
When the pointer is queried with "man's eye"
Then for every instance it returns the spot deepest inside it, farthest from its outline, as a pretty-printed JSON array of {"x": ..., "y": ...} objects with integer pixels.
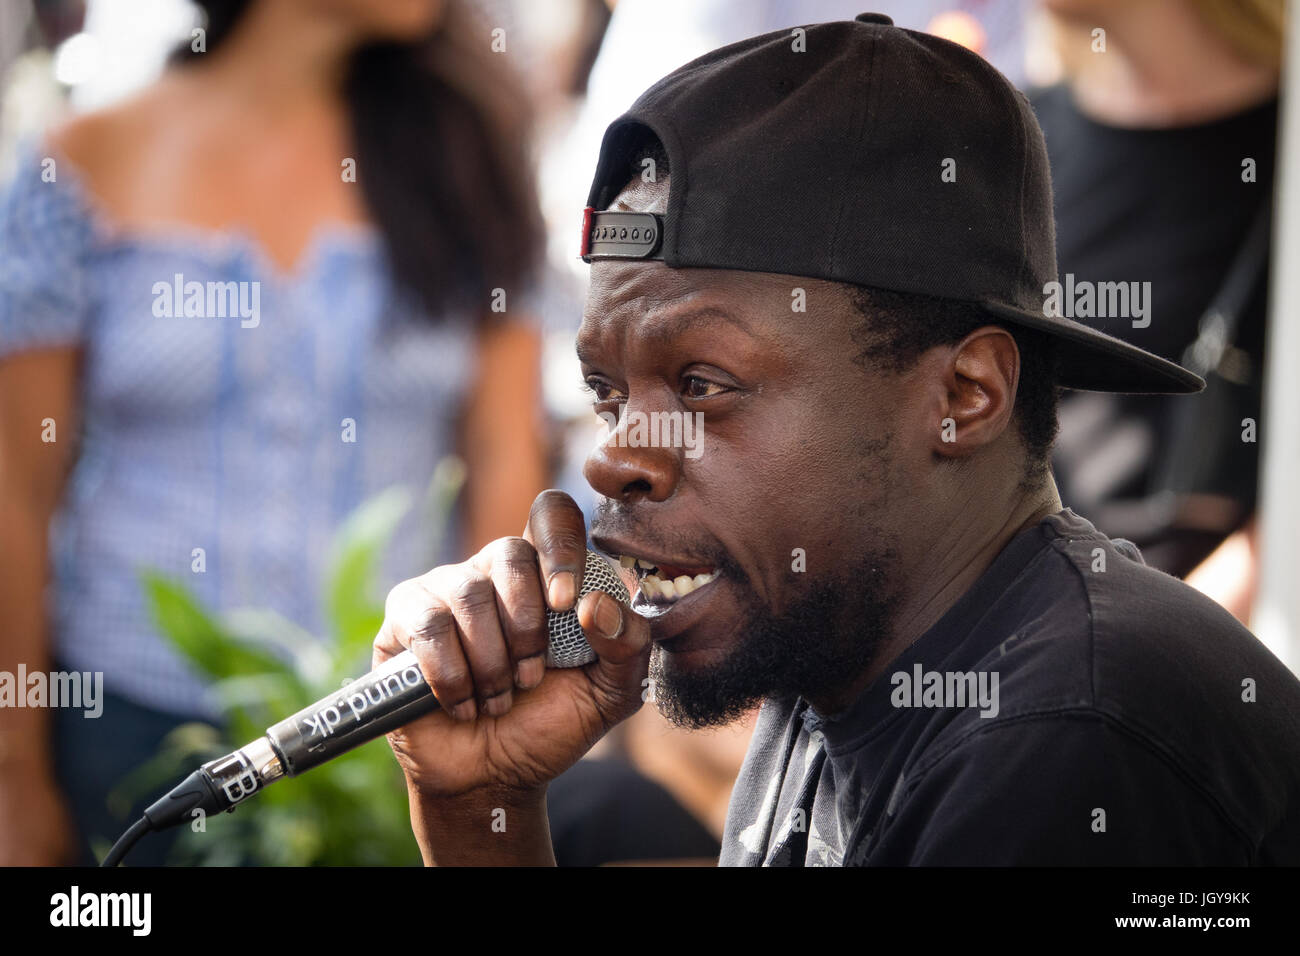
[
  {"x": 603, "y": 391},
  {"x": 695, "y": 387}
]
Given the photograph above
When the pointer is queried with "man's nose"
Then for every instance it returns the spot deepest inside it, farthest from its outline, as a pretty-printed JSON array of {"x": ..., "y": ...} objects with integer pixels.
[{"x": 624, "y": 468}]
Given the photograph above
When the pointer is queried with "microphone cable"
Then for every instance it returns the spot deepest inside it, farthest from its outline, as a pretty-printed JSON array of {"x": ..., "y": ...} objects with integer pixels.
[{"x": 126, "y": 841}]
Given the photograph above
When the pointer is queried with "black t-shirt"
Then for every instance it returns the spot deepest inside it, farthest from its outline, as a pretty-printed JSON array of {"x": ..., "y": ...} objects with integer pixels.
[
  {"x": 1169, "y": 207},
  {"x": 1113, "y": 715}
]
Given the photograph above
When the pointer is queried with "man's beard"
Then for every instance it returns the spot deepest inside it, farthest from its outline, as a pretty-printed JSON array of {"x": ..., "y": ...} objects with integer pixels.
[{"x": 816, "y": 647}]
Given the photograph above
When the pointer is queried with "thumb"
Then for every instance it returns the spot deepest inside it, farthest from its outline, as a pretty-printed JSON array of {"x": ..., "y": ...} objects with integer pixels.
[{"x": 621, "y": 639}]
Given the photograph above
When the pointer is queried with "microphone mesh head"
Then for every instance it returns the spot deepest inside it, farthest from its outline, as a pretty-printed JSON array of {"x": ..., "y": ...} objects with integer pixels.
[{"x": 569, "y": 647}]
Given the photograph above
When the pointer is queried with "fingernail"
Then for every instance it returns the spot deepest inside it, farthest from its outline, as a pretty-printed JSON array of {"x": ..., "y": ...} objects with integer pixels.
[
  {"x": 498, "y": 706},
  {"x": 465, "y": 710},
  {"x": 562, "y": 590},
  {"x": 608, "y": 618},
  {"x": 530, "y": 671}
]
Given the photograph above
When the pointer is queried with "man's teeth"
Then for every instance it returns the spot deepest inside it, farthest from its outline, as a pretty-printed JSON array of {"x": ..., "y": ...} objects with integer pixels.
[
  {"x": 653, "y": 586},
  {"x": 630, "y": 562}
]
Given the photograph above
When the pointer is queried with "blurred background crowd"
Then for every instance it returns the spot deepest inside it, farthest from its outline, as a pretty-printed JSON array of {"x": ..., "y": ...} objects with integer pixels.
[{"x": 210, "y": 513}]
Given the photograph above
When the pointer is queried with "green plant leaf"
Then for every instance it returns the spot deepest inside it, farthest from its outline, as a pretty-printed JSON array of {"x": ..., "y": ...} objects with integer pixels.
[
  {"x": 308, "y": 656},
  {"x": 202, "y": 641},
  {"x": 354, "y": 612}
]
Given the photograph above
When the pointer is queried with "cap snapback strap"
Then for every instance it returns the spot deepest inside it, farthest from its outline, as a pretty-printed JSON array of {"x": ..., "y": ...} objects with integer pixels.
[{"x": 621, "y": 235}]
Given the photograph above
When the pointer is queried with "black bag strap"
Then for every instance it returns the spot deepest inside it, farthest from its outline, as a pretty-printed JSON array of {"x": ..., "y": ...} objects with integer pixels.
[{"x": 1217, "y": 328}]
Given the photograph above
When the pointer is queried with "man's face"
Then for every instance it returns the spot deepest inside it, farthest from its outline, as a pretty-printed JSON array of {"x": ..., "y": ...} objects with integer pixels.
[{"x": 797, "y": 495}]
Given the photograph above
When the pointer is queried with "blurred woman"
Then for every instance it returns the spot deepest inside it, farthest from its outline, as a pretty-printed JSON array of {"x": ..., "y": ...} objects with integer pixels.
[
  {"x": 1162, "y": 140},
  {"x": 346, "y": 181}
]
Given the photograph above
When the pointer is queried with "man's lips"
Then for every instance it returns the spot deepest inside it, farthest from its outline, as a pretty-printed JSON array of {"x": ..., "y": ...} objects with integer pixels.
[
  {"x": 697, "y": 614},
  {"x": 661, "y": 580}
]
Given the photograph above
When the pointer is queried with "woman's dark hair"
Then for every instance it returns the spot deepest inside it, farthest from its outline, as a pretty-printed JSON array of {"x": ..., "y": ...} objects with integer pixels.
[{"x": 440, "y": 131}]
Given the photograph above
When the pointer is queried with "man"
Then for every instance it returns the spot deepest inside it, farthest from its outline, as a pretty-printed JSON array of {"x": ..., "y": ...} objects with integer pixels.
[{"x": 849, "y": 243}]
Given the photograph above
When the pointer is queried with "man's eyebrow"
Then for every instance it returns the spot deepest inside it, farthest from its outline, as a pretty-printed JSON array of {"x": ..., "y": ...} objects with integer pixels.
[
  {"x": 661, "y": 331},
  {"x": 672, "y": 326}
]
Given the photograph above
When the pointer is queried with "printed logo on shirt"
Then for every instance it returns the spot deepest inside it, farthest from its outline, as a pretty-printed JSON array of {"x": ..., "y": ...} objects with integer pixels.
[{"x": 922, "y": 688}]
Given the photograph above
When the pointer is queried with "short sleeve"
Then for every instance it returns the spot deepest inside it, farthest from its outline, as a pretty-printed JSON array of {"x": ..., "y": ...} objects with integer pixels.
[{"x": 45, "y": 240}]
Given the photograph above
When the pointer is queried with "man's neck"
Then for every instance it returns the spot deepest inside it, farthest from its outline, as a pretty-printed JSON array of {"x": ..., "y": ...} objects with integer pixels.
[
  {"x": 277, "y": 63},
  {"x": 945, "y": 572}
]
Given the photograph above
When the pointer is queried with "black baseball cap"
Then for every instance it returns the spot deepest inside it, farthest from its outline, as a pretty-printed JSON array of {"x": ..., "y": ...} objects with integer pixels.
[{"x": 820, "y": 151}]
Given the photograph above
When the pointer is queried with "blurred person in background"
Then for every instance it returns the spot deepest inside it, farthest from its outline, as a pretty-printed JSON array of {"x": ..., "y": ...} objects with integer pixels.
[
  {"x": 30, "y": 94},
  {"x": 372, "y": 353},
  {"x": 1161, "y": 139}
]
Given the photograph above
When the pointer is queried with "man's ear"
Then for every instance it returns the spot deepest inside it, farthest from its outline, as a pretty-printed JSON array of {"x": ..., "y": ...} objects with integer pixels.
[{"x": 979, "y": 378}]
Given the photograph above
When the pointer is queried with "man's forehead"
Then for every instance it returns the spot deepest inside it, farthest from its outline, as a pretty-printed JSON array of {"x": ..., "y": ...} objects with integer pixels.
[
  {"x": 650, "y": 298},
  {"x": 650, "y": 302},
  {"x": 652, "y": 285}
]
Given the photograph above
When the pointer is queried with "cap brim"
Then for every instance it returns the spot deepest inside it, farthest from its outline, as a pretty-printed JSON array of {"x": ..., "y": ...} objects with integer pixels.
[{"x": 1093, "y": 361}]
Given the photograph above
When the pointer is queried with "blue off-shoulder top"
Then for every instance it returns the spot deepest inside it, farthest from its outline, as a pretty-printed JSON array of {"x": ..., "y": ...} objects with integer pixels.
[{"x": 219, "y": 443}]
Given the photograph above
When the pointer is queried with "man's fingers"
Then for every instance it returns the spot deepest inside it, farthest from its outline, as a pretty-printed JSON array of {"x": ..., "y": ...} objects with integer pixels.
[
  {"x": 386, "y": 645},
  {"x": 416, "y": 620},
  {"x": 521, "y": 606},
  {"x": 557, "y": 530},
  {"x": 479, "y": 629},
  {"x": 473, "y": 601},
  {"x": 621, "y": 639}
]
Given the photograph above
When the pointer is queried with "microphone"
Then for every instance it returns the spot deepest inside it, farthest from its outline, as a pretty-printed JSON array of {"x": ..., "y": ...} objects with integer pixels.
[{"x": 390, "y": 696}]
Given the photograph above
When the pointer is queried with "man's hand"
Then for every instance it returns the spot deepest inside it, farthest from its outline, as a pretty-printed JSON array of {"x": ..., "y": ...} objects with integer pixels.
[{"x": 507, "y": 726}]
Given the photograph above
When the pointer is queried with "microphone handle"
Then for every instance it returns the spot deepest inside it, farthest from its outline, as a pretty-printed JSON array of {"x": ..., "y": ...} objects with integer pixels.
[{"x": 390, "y": 696}]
